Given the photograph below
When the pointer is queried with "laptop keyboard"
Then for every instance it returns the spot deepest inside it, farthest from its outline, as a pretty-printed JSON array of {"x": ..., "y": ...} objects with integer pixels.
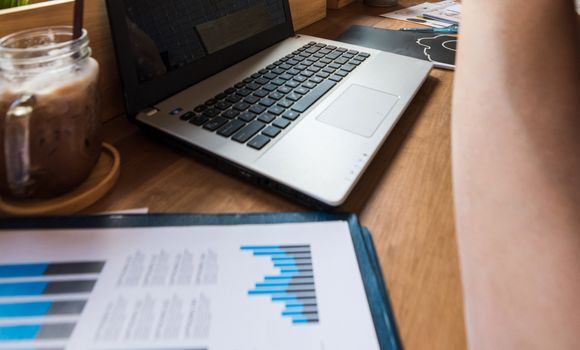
[{"x": 257, "y": 109}]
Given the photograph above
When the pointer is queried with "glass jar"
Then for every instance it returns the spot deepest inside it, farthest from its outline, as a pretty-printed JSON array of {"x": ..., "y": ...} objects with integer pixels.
[{"x": 50, "y": 132}]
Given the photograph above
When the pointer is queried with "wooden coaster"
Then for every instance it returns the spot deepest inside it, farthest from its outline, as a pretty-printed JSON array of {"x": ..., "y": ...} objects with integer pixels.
[{"x": 99, "y": 183}]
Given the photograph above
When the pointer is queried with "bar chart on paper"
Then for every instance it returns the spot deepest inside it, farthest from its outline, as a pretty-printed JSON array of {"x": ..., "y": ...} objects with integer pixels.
[
  {"x": 294, "y": 284},
  {"x": 27, "y": 299}
]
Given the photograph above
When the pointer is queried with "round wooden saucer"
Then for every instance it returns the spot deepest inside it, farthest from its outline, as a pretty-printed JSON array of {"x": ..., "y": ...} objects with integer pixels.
[{"x": 99, "y": 183}]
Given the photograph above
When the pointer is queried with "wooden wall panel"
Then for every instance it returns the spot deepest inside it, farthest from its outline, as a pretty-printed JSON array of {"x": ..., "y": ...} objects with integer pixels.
[
  {"x": 336, "y": 4},
  {"x": 306, "y": 12}
]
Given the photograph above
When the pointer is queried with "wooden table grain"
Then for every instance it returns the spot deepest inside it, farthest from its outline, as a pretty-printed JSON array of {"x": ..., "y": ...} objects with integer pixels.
[{"x": 405, "y": 197}]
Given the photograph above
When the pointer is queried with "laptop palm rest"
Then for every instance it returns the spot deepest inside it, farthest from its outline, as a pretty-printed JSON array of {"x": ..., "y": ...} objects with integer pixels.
[{"x": 359, "y": 110}]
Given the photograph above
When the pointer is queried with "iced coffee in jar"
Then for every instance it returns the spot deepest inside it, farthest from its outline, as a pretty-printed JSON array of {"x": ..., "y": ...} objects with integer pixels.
[{"x": 50, "y": 136}]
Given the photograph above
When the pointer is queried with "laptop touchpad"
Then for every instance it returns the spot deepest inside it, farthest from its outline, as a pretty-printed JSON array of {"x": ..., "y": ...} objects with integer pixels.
[{"x": 359, "y": 110}]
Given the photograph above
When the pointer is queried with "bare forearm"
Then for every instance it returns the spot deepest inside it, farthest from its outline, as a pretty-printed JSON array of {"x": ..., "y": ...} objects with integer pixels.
[{"x": 516, "y": 153}]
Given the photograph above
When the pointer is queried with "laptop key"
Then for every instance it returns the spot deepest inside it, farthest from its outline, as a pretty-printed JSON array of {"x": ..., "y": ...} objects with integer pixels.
[
  {"x": 310, "y": 84},
  {"x": 215, "y": 123},
  {"x": 278, "y": 82},
  {"x": 316, "y": 80},
  {"x": 336, "y": 78},
  {"x": 364, "y": 54},
  {"x": 270, "y": 76},
  {"x": 285, "y": 66},
  {"x": 281, "y": 123},
  {"x": 333, "y": 55},
  {"x": 341, "y": 73},
  {"x": 276, "y": 96},
  {"x": 302, "y": 90},
  {"x": 284, "y": 89},
  {"x": 247, "y": 132},
  {"x": 314, "y": 95},
  {"x": 252, "y": 99},
  {"x": 187, "y": 116},
  {"x": 247, "y": 117},
  {"x": 256, "y": 75},
  {"x": 293, "y": 72},
  {"x": 300, "y": 79},
  {"x": 261, "y": 93},
  {"x": 266, "y": 118},
  {"x": 259, "y": 142},
  {"x": 211, "y": 102},
  {"x": 200, "y": 108},
  {"x": 291, "y": 115},
  {"x": 261, "y": 81},
  {"x": 340, "y": 61},
  {"x": 253, "y": 86},
  {"x": 240, "y": 85},
  {"x": 347, "y": 55},
  {"x": 241, "y": 106},
  {"x": 211, "y": 112},
  {"x": 230, "y": 91},
  {"x": 348, "y": 67},
  {"x": 323, "y": 75},
  {"x": 230, "y": 128},
  {"x": 293, "y": 97},
  {"x": 234, "y": 98},
  {"x": 223, "y": 105},
  {"x": 276, "y": 110},
  {"x": 292, "y": 84},
  {"x": 244, "y": 92},
  {"x": 257, "y": 109},
  {"x": 267, "y": 102},
  {"x": 271, "y": 131},
  {"x": 230, "y": 114},
  {"x": 341, "y": 49},
  {"x": 199, "y": 120},
  {"x": 285, "y": 103},
  {"x": 269, "y": 87},
  {"x": 248, "y": 80},
  {"x": 278, "y": 71}
]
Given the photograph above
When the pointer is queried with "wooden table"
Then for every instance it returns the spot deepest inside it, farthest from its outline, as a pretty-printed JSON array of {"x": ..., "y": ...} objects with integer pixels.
[{"x": 405, "y": 197}]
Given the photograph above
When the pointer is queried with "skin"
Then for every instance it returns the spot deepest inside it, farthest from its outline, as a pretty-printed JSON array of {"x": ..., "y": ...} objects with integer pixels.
[{"x": 516, "y": 165}]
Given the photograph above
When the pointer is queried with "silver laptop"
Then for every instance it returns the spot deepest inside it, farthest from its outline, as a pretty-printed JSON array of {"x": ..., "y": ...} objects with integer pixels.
[{"x": 230, "y": 80}]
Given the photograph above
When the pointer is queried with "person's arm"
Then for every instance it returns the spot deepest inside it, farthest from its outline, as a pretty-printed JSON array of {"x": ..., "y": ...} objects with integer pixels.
[{"x": 516, "y": 167}]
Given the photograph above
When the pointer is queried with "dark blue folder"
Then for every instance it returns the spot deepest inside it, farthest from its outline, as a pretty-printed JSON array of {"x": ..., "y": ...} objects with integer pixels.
[{"x": 372, "y": 276}]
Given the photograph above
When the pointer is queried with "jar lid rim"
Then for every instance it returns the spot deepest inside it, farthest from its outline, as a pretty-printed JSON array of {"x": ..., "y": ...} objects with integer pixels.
[{"x": 55, "y": 29}]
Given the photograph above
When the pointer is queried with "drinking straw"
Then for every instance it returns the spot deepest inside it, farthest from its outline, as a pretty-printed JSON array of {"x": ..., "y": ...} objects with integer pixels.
[{"x": 78, "y": 19}]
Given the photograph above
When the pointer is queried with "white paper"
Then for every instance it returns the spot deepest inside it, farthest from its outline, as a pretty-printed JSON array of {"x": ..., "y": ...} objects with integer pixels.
[
  {"x": 182, "y": 288},
  {"x": 415, "y": 14}
]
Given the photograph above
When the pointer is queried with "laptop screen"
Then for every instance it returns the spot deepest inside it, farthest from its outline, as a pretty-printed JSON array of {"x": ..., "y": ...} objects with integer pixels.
[
  {"x": 167, "y": 35},
  {"x": 166, "y": 46}
]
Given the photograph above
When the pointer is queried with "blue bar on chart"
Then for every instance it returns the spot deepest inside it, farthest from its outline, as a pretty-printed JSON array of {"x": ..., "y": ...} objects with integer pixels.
[
  {"x": 23, "y": 289},
  {"x": 294, "y": 285},
  {"x": 42, "y": 309},
  {"x": 50, "y": 269},
  {"x": 32, "y": 332}
]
